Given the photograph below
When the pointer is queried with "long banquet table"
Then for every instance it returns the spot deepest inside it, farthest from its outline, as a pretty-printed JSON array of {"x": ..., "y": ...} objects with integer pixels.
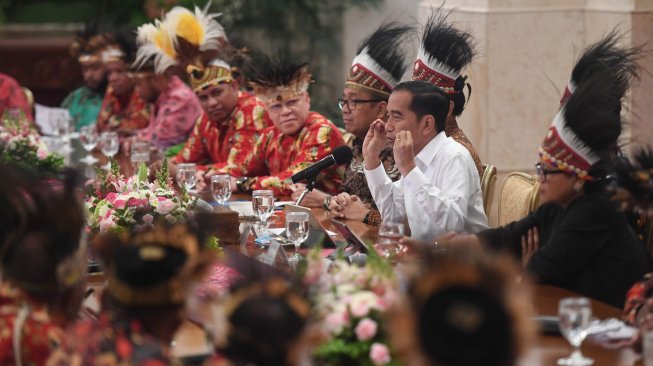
[{"x": 191, "y": 340}]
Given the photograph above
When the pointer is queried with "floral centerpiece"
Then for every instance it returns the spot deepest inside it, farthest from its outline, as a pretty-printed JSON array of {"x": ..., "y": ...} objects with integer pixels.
[
  {"x": 21, "y": 145},
  {"x": 351, "y": 301},
  {"x": 118, "y": 203}
]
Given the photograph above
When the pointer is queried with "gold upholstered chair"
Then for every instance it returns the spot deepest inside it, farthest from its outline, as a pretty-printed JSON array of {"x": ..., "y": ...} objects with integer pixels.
[
  {"x": 518, "y": 196},
  {"x": 30, "y": 97},
  {"x": 488, "y": 184}
]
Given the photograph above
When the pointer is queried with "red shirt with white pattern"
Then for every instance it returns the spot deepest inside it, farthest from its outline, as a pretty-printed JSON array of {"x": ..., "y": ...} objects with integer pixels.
[
  {"x": 123, "y": 113},
  {"x": 216, "y": 145},
  {"x": 276, "y": 157}
]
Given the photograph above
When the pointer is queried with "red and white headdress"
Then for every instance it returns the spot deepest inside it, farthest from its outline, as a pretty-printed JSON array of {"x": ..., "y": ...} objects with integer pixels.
[
  {"x": 443, "y": 53},
  {"x": 380, "y": 61}
]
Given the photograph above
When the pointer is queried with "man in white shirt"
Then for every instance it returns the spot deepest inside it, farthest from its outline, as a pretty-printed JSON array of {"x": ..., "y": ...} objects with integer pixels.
[{"x": 439, "y": 189}]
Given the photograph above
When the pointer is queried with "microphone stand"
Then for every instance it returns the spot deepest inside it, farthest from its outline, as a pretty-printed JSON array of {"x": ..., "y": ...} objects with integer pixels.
[{"x": 309, "y": 187}]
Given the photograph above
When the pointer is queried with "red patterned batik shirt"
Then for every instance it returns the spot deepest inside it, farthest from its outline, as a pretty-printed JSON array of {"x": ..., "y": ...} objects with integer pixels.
[
  {"x": 123, "y": 113},
  {"x": 174, "y": 114},
  {"x": 110, "y": 341},
  {"x": 216, "y": 145},
  {"x": 12, "y": 96},
  {"x": 276, "y": 157},
  {"x": 38, "y": 335}
]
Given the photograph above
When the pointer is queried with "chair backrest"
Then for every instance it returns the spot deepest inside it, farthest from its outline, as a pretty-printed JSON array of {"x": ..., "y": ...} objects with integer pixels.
[
  {"x": 30, "y": 97},
  {"x": 488, "y": 184},
  {"x": 519, "y": 195}
]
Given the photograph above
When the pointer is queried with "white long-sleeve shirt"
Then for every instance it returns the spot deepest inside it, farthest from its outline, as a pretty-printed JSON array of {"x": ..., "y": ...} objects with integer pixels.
[{"x": 441, "y": 194}]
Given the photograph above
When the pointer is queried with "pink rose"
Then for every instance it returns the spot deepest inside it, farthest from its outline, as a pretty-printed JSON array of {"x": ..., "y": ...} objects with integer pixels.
[
  {"x": 148, "y": 218},
  {"x": 366, "y": 329},
  {"x": 336, "y": 321},
  {"x": 111, "y": 197},
  {"x": 165, "y": 207},
  {"x": 379, "y": 354},
  {"x": 119, "y": 204}
]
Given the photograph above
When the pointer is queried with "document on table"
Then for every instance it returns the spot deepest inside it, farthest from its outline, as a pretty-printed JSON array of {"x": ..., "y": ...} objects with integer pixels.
[{"x": 47, "y": 117}]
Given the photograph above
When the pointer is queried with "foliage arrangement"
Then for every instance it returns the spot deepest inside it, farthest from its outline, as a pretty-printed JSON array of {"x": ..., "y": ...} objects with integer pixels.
[
  {"x": 21, "y": 145},
  {"x": 351, "y": 301},
  {"x": 118, "y": 203}
]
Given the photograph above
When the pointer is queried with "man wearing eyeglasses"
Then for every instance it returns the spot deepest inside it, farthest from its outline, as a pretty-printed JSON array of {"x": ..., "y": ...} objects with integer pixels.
[
  {"x": 376, "y": 69},
  {"x": 297, "y": 139}
]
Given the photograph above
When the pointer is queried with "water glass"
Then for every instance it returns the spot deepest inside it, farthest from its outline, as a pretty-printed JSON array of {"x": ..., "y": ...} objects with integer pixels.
[
  {"x": 575, "y": 314},
  {"x": 187, "y": 175},
  {"x": 263, "y": 204},
  {"x": 63, "y": 127},
  {"x": 139, "y": 154},
  {"x": 88, "y": 136},
  {"x": 221, "y": 188},
  {"x": 389, "y": 235},
  {"x": 109, "y": 144},
  {"x": 297, "y": 230}
]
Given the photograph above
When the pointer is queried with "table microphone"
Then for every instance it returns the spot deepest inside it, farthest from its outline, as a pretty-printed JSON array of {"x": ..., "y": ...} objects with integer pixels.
[{"x": 340, "y": 155}]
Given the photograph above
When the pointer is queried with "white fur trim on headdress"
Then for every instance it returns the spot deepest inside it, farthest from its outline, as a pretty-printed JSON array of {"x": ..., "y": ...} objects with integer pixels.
[
  {"x": 435, "y": 65},
  {"x": 572, "y": 141},
  {"x": 365, "y": 60}
]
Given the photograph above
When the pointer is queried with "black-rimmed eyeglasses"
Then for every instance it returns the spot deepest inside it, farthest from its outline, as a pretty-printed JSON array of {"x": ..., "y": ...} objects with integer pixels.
[
  {"x": 352, "y": 103},
  {"x": 543, "y": 172}
]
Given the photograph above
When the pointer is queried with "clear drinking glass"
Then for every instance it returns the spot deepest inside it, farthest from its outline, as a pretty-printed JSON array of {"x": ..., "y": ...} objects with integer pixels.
[
  {"x": 88, "y": 136},
  {"x": 389, "y": 235},
  {"x": 297, "y": 230},
  {"x": 574, "y": 315},
  {"x": 109, "y": 144},
  {"x": 221, "y": 188},
  {"x": 139, "y": 154},
  {"x": 263, "y": 205},
  {"x": 186, "y": 175}
]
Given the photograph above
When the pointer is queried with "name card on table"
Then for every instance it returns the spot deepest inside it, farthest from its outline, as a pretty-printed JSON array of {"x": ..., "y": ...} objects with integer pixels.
[
  {"x": 49, "y": 119},
  {"x": 275, "y": 255}
]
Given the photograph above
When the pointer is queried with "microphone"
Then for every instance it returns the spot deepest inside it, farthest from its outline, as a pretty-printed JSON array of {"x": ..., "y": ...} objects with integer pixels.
[{"x": 340, "y": 155}]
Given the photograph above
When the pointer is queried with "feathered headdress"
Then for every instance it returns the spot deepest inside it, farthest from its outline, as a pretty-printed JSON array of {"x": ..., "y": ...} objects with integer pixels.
[
  {"x": 179, "y": 38},
  {"x": 587, "y": 127},
  {"x": 634, "y": 183},
  {"x": 153, "y": 266},
  {"x": 279, "y": 79},
  {"x": 444, "y": 52},
  {"x": 463, "y": 308},
  {"x": 380, "y": 61},
  {"x": 604, "y": 55}
]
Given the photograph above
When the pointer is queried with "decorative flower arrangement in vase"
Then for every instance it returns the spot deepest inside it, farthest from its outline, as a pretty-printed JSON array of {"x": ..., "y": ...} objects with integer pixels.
[
  {"x": 21, "y": 145},
  {"x": 351, "y": 302},
  {"x": 118, "y": 203}
]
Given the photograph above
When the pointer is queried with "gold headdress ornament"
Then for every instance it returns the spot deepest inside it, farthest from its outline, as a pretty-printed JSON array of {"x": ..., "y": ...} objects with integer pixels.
[
  {"x": 179, "y": 38},
  {"x": 153, "y": 267},
  {"x": 281, "y": 79}
]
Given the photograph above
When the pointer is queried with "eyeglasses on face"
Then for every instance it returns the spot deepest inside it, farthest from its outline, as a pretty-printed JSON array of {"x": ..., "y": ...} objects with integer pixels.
[
  {"x": 543, "y": 172},
  {"x": 352, "y": 103}
]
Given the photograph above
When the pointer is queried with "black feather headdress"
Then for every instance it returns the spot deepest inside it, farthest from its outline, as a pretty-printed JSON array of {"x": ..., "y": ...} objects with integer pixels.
[
  {"x": 444, "y": 52},
  {"x": 605, "y": 55},
  {"x": 380, "y": 61},
  {"x": 587, "y": 127},
  {"x": 279, "y": 78}
]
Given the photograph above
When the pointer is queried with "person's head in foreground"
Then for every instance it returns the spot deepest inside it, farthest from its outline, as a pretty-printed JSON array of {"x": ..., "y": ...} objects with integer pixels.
[
  {"x": 418, "y": 107},
  {"x": 265, "y": 325},
  {"x": 464, "y": 308},
  {"x": 283, "y": 85},
  {"x": 43, "y": 263},
  {"x": 582, "y": 140}
]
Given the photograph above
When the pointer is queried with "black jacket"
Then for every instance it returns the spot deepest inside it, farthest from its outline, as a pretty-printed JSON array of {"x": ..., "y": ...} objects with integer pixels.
[{"x": 588, "y": 247}]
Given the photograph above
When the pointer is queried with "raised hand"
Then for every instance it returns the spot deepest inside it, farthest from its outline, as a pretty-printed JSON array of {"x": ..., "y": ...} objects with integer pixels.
[
  {"x": 403, "y": 152},
  {"x": 374, "y": 143},
  {"x": 530, "y": 243}
]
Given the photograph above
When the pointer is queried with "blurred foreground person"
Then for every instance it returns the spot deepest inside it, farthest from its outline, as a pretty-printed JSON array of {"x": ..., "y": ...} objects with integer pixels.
[
  {"x": 464, "y": 308},
  {"x": 266, "y": 325},
  {"x": 42, "y": 265},
  {"x": 151, "y": 273}
]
